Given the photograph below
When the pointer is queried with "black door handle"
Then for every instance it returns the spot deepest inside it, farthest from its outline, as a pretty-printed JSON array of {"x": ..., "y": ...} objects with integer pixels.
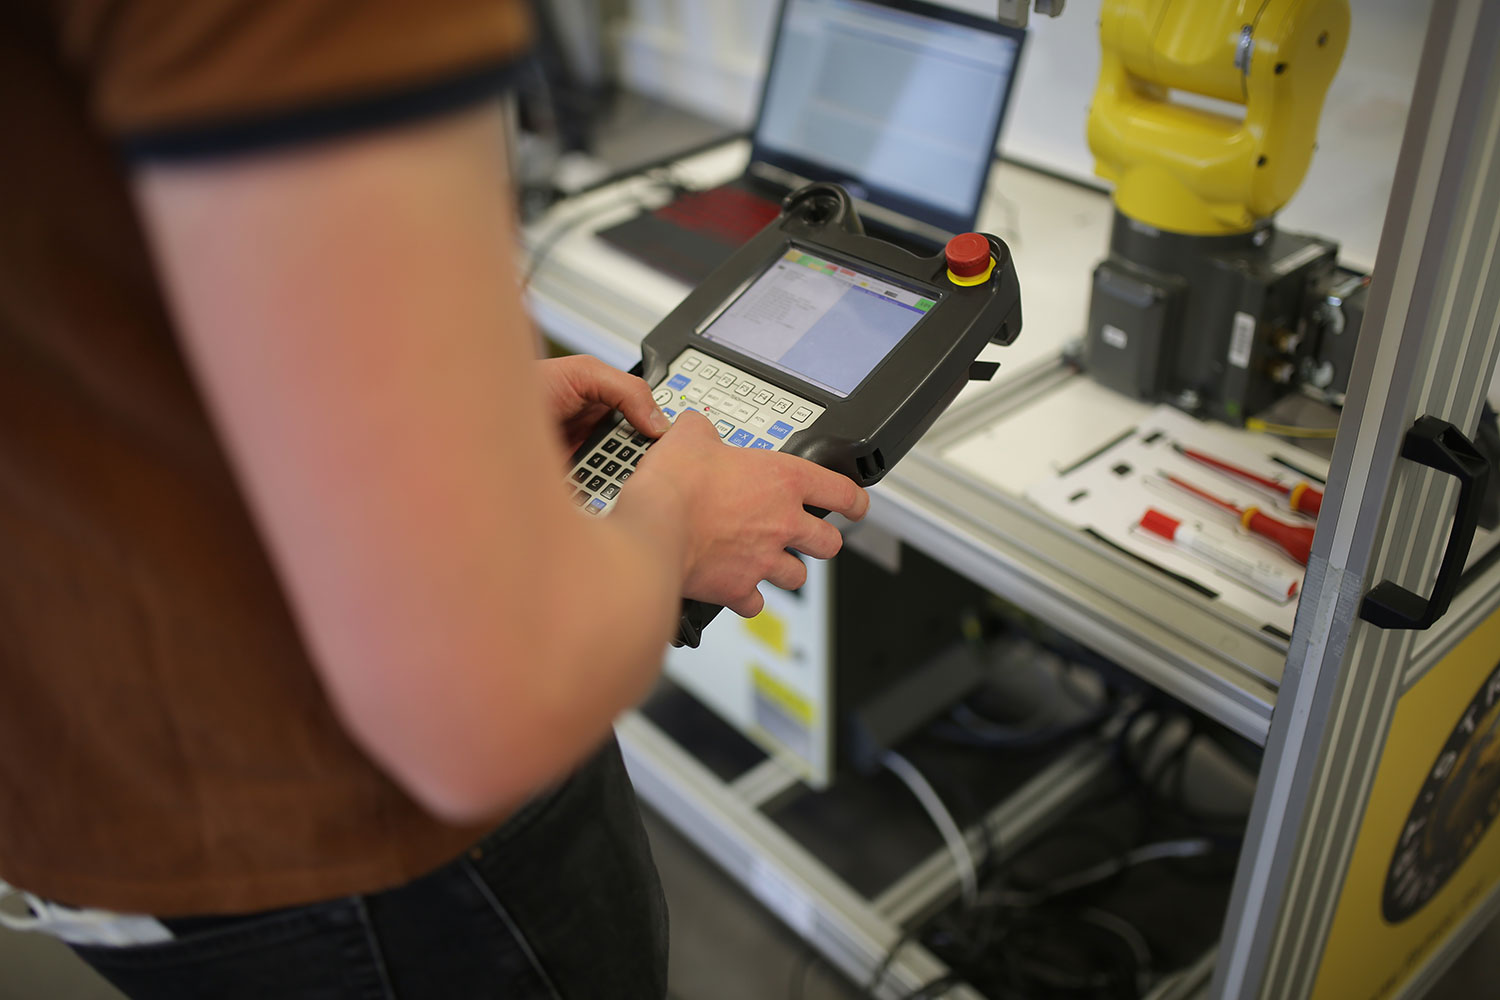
[{"x": 1438, "y": 445}]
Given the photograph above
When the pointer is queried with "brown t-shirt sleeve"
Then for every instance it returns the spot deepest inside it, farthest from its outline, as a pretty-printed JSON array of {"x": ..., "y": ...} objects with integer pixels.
[{"x": 188, "y": 79}]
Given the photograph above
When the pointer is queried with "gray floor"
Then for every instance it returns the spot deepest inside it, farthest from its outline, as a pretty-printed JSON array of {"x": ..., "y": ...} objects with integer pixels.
[{"x": 725, "y": 946}]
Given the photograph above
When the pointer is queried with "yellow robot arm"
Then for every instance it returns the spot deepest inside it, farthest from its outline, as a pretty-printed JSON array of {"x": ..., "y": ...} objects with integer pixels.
[{"x": 1184, "y": 169}]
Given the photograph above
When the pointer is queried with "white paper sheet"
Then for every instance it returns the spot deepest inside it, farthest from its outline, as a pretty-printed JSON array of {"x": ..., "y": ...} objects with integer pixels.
[{"x": 1109, "y": 492}]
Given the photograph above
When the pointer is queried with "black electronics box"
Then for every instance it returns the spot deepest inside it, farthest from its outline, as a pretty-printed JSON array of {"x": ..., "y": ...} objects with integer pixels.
[{"x": 1218, "y": 326}]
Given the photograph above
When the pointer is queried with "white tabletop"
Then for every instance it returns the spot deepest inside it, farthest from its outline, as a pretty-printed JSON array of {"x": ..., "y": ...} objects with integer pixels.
[{"x": 1056, "y": 230}]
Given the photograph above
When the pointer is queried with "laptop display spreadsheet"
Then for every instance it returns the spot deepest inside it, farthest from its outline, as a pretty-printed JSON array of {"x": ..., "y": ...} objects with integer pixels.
[
  {"x": 901, "y": 106},
  {"x": 899, "y": 101}
]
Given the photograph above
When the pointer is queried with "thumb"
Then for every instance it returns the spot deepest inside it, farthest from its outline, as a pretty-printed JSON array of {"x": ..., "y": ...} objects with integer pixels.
[
  {"x": 697, "y": 420},
  {"x": 641, "y": 410}
]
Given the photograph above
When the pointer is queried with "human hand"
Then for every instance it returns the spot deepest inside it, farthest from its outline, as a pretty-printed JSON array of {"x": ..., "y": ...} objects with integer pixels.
[
  {"x": 581, "y": 389},
  {"x": 743, "y": 508}
]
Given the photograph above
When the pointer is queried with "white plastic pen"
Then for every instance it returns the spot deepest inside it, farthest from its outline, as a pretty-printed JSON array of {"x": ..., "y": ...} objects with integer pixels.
[{"x": 1276, "y": 582}]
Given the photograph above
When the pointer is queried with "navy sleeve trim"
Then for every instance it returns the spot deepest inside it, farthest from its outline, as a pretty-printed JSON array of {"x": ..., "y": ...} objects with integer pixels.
[{"x": 267, "y": 131}]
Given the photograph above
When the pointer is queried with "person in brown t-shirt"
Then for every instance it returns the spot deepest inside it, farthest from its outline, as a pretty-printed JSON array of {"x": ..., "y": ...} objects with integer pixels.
[{"x": 294, "y": 607}]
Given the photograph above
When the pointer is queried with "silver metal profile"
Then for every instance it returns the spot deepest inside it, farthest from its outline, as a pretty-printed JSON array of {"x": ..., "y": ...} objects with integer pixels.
[
  {"x": 1483, "y": 916},
  {"x": 766, "y": 784},
  {"x": 1431, "y": 347}
]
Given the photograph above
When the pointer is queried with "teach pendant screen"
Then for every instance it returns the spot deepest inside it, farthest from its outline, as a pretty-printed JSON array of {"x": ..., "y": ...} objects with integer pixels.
[{"x": 814, "y": 318}]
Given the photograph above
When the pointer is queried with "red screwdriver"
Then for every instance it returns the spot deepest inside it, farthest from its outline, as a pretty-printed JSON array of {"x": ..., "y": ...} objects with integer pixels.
[
  {"x": 1294, "y": 539},
  {"x": 1303, "y": 496}
]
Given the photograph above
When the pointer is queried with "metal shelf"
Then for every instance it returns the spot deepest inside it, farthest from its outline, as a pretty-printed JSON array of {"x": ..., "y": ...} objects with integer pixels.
[{"x": 1213, "y": 659}]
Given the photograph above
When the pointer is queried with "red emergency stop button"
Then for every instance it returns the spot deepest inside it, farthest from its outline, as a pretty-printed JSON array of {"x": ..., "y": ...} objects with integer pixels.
[{"x": 969, "y": 260}]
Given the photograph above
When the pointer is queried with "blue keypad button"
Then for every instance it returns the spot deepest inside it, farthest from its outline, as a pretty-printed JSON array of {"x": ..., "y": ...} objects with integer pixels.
[
  {"x": 779, "y": 429},
  {"x": 740, "y": 438},
  {"x": 763, "y": 444},
  {"x": 724, "y": 427},
  {"x": 670, "y": 413},
  {"x": 595, "y": 506},
  {"x": 677, "y": 383}
]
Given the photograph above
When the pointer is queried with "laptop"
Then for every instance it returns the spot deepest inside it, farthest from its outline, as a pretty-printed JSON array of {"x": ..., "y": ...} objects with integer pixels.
[{"x": 899, "y": 101}]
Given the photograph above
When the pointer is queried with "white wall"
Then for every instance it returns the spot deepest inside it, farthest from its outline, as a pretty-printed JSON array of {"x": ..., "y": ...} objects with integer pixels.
[
  {"x": 704, "y": 55},
  {"x": 708, "y": 55}
]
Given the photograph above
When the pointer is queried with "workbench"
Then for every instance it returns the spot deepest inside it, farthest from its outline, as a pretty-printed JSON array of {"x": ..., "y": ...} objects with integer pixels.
[{"x": 1322, "y": 698}]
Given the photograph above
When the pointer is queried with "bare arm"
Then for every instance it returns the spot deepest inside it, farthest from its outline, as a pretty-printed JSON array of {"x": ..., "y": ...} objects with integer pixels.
[{"x": 352, "y": 315}]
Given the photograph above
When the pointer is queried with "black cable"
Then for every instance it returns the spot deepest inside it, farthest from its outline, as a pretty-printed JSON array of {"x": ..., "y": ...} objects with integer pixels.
[
  {"x": 1036, "y": 954},
  {"x": 876, "y": 977},
  {"x": 965, "y": 727},
  {"x": 1093, "y": 875},
  {"x": 968, "y": 725},
  {"x": 1042, "y": 940}
]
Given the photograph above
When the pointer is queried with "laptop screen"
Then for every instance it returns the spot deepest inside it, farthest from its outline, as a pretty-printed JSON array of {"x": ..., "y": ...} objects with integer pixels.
[{"x": 900, "y": 102}]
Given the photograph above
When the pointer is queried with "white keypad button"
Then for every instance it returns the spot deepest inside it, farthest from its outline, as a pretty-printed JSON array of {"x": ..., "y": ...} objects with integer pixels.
[
  {"x": 802, "y": 414},
  {"x": 782, "y": 405}
]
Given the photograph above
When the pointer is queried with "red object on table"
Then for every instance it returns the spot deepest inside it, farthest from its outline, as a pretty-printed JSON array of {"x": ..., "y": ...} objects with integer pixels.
[
  {"x": 1293, "y": 539},
  {"x": 1160, "y": 524},
  {"x": 1303, "y": 497}
]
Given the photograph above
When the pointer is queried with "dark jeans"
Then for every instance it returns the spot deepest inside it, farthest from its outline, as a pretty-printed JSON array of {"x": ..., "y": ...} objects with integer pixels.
[{"x": 560, "y": 903}]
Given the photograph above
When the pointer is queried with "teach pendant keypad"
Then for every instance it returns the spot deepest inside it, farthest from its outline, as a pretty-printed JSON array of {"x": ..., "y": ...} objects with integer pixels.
[{"x": 747, "y": 411}]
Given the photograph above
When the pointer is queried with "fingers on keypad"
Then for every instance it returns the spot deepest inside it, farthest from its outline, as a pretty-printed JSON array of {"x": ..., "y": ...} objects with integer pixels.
[
  {"x": 745, "y": 410},
  {"x": 596, "y": 479}
]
